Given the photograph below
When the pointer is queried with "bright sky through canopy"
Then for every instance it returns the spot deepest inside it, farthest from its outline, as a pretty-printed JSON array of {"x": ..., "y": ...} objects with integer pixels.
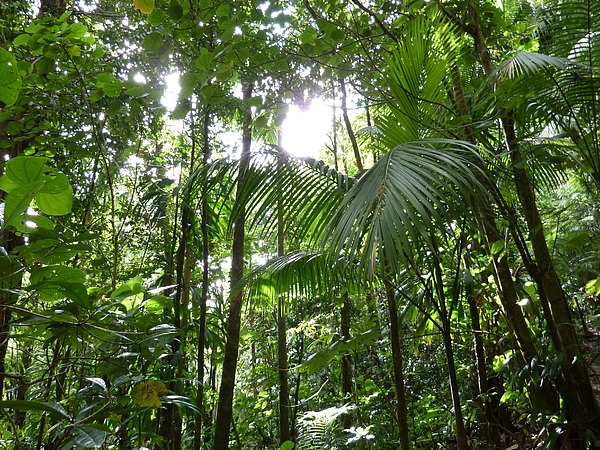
[{"x": 305, "y": 133}]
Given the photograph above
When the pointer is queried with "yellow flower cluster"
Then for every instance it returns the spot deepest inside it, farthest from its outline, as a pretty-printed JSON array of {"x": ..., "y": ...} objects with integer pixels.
[{"x": 149, "y": 393}]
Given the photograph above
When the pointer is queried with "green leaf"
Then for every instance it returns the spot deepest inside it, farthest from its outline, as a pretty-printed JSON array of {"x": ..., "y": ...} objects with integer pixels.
[
  {"x": 136, "y": 91},
  {"x": 89, "y": 437},
  {"x": 98, "y": 382},
  {"x": 156, "y": 17},
  {"x": 18, "y": 200},
  {"x": 207, "y": 91},
  {"x": 579, "y": 240},
  {"x": 592, "y": 287},
  {"x": 497, "y": 247},
  {"x": 77, "y": 292},
  {"x": 223, "y": 10},
  {"x": 10, "y": 79},
  {"x": 261, "y": 122},
  {"x": 26, "y": 169},
  {"x": 144, "y": 6},
  {"x": 56, "y": 411},
  {"x": 10, "y": 272},
  {"x": 158, "y": 304},
  {"x": 131, "y": 287},
  {"x": 28, "y": 222},
  {"x": 153, "y": 41},
  {"x": 13, "y": 128},
  {"x": 57, "y": 273},
  {"x": 21, "y": 39},
  {"x": 55, "y": 204},
  {"x": 188, "y": 82},
  {"x": 57, "y": 282},
  {"x": 6, "y": 184},
  {"x": 74, "y": 50},
  {"x": 175, "y": 11},
  {"x": 112, "y": 89},
  {"x": 287, "y": 445},
  {"x": 114, "y": 108},
  {"x": 205, "y": 59},
  {"x": 308, "y": 36}
]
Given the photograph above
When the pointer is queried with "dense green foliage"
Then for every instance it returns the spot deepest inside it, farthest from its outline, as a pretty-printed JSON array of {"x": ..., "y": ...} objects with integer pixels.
[{"x": 172, "y": 278}]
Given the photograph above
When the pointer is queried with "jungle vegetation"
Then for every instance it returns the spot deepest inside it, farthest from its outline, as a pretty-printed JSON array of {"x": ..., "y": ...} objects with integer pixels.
[{"x": 173, "y": 278}]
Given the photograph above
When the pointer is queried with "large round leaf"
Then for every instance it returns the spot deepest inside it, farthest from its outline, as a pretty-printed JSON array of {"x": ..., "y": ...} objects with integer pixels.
[{"x": 10, "y": 80}]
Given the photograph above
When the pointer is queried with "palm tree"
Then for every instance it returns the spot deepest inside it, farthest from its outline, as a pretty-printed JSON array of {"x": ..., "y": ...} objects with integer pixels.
[{"x": 571, "y": 28}]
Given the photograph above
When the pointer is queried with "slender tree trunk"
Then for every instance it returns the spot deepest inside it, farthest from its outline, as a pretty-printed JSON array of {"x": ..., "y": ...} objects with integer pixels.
[
  {"x": 300, "y": 351},
  {"x": 462, "y": 442},
  {"x": 282, "y": 356},
  {"x": 225, "y": 405},
  {"x": 350, "y": 131},
  {"x": 346, "y": 361},
  {"x": 491, "y": 425},
  {"x": 398, "y": 366},
  {"x": 284, "y": 397},
  {"x": 171, "y": 425},
  {"x": 502, "y": 273},
  {"x": 200, "y": 414}
]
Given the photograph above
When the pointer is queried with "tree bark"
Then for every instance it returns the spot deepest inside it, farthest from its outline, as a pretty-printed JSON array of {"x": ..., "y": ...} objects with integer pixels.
[
  {"x": 398, "y": 366},
  {"x": 502, "y": 273},
  {"x": 491, "y": 425},
  {"x": 282, "y": 356},
  {"x": 200, "y": 414},
  {"x": 225, "y": 405},
  {"x": 349, "y": 130},
  {"x": 346, "y": 361}
]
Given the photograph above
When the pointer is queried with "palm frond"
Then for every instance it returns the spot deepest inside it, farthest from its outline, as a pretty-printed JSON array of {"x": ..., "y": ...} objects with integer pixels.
[
  {"x": 416, "y": 74},
  {"x": 296, "y": 276},
  {"x": 571, "y": 29},
  {"x": 306, "y": 191},
  {"x": 554, "y": 95},
  {"x": 531, "y": 63},
  {"x": 395, "y": 205}
]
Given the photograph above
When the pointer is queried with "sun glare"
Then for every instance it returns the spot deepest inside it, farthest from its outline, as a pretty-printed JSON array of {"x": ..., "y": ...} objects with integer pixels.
[{"x": 305, "y": 132}]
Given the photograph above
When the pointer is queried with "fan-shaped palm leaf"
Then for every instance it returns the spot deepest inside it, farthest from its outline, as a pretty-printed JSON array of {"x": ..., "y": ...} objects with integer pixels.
[
  {"x": 395, "y": 205},
  {"x": 295, "y": 276},
  {"x": 417, "y": 71},
  {"x": 306, "y": 190}
]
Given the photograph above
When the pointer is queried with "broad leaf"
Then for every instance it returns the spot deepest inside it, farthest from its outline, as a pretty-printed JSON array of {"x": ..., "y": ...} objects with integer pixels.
[
  {"x": 10, "y": 79},
  {"x": 144, "y": 6},
  {"x": 55, "y": 410},
  {"x": 89, "y": 437},
  {"x": 18, "y": 200}
]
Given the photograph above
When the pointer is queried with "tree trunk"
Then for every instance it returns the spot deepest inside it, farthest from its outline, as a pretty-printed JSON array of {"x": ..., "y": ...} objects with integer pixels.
[
  {"x": 462, "y": 442},
  {"x": 282, "y": 356},
  {"x": 225, "y": 405},
  {"x": 200, "y": 414},
  {"x": 491, "y": 422},
  {"x": 502, "y": 273},
  {"x": 346, "y": 361},
  {"x": 351, "y": 135},
  {"x": 398, "y": 366}
]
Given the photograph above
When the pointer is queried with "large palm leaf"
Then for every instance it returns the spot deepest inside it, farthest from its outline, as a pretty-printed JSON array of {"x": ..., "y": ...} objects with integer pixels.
[
  {"x": 417, "y": 72},
  {"x": 414, "y": 190},
  {"x": 561, "y": 84}
]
